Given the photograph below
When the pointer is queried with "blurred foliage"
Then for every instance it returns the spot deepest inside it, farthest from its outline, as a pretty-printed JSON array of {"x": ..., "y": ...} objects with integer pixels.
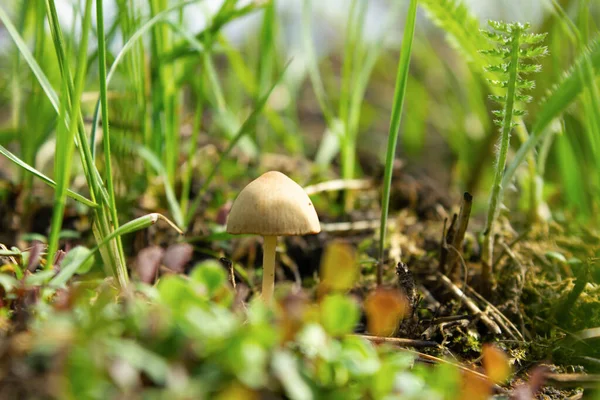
[{"x": 189, "y": 337}]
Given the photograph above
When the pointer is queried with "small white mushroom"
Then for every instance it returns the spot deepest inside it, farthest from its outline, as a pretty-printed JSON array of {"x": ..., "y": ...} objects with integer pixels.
[{"x": 272, "y": 205}]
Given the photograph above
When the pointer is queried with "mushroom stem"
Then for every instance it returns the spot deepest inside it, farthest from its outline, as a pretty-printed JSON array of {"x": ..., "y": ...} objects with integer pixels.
[{"x": 268, "y": 282}]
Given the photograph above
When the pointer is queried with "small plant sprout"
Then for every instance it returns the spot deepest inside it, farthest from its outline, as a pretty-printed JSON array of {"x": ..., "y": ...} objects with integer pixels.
[
  {"x": 514, "y": 47},
  {"x": 272, "y": 205}
]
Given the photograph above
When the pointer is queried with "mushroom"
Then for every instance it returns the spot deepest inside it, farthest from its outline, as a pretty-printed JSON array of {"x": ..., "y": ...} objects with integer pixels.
[{"x": 272, "y": 205}]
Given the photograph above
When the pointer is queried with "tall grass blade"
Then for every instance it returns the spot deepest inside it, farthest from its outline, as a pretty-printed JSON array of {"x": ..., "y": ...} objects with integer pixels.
[
  {"x": 102, "y": 226},
  {"x": 65, "y": 137},
  {"x": 17, "y": 161},
  {"x": 30, "y": 59},
  {"x": 128, "y": 46},
  {"x": 111, "y": 207},
  {"x": 399, "y": 92},
  {"x": 563, "y": 95}
]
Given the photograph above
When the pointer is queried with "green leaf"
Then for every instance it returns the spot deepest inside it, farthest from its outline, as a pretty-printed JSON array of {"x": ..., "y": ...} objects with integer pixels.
[
  {"x": 285, "y": 368},
  {"x": 177, "y": 293},
  {"x": 248, "y": 360},
  {"x": 360, "y": 356},
  {"x": 39, "y": 278},
  {"x": 554, "y": 255},
  {"x": 155, "y": 366},
  {"x": 8, "y": 282},
  {"x": 209, "y": 273},
  {"x": 81, "y": 256},
  {"x": 384, "y": 381},
  {"x": 339, "y": 314},
  {"x": 43, "y": 177},
  {"x": 213, "y": 277},
  {"x": 30, "y": 59}
]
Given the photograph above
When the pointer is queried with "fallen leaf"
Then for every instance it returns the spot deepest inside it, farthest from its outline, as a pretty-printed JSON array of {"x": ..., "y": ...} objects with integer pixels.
[
  {"x": 385, "y": 308},
  {"x": 475, "y": 387},
  {"x": 495, "y": 363},
  {"x": 177, "y": 256},
  {"x": 147, "y": 263}
]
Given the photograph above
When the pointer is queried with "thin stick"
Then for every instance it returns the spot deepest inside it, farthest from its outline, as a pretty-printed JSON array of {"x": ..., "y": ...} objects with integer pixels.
[
  {"x": 444, "y": 244},
  {"x": 426, "y": 358},
  {"x": 427, "y": 296},
  {"x": 521, "y": 236},
  {"x": 339, "y": 184},
  {"x": 401, "y": 342},
  {"x": 450, "y": 318},
  {"x": 459, "y": 236},
  {"x": 353, "y": 226},
  {"x": 574, "y": 380},
  {"x": 459, "y": 294},
  {"x": 501, "y": 317}
]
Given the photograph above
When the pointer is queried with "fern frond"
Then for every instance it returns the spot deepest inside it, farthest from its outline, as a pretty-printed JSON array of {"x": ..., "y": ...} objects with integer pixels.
[
  {"x": 516, "y": 47},
  {"x": 497, "y": 83},
  {"x": 533, "y": 52},
  {"x": 533, "y": 38},
  {"x": 496, "y": 98},
  {"x": 493, "y": 36},
  {"x": 529, "y": 68},
  {"x": 525, "y": 84},
  {"x": 500, "y": 69},
  {"x": 500, "y": 26},
  {"x": 524, "y": 98},
  {"x": 498, "y": 53}
]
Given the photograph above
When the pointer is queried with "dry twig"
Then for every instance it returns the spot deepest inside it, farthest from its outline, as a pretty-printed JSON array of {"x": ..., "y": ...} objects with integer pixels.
[
  {"x": 470, "y": 304},
  {"x": 401, "y": 342}
]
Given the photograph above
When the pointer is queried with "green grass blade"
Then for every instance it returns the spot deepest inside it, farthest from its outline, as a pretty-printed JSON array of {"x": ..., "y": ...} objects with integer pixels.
[
  {"x": 112, "y": 207},
  {"x": 102, "y": 226},
  {"x": 559, "y": 99},
  {"x": 225, "y": 15},
  {"x": 193, "y": 146},
  {"x": 128, "y": 46},
  {"x": 401, "y": 81},
  {"x": 312, "y": 65},
  {"x": 132, "y": 226},
  {"x": 30, "y": 59},
  {"x": 17, "y": 161},
  {"x": 154, "y": 161},
  {"x": 65, "y": 138}
]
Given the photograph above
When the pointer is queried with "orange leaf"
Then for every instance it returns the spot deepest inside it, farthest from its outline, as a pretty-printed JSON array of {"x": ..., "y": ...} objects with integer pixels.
[
  {"x": 385, "y": 308},
  {"x": 475, "y": 387},
  {"x": 495, "y": 363}
]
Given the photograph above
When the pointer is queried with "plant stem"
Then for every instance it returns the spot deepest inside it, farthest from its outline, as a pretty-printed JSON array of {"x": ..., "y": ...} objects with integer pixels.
[
  {"x": 268, "y": 282},
  {"x": 496, "y": 198}
]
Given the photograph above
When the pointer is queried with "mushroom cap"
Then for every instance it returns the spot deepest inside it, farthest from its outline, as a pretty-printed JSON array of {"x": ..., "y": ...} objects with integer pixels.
[{"x": 273, "y": 205}]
